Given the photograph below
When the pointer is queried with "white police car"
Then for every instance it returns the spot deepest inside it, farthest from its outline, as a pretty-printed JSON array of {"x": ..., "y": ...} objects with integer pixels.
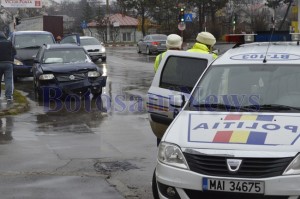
[
  {"x": 177, "y": 74},
  {"x": 238, "y": 135}
]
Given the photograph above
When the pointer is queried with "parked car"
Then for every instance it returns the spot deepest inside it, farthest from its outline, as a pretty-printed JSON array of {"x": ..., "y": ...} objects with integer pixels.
[
  {"x": 27, "y": 44},
  {"x": 68, "y": 69},
  {"x": 95, "y": 48},
  {"x": 155, "y": 43}
]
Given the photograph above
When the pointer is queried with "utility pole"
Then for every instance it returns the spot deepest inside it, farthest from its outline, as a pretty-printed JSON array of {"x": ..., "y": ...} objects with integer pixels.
[
  {"x": 298, "y": 16},
  {"x": 108, "y": 21}
]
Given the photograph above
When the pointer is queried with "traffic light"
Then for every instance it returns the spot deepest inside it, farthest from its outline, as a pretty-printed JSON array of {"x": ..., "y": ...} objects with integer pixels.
[
  {"x": 181, "y": 15},
  {"x": 234, "y": 19},
  {"x": 18, "y": 21}
]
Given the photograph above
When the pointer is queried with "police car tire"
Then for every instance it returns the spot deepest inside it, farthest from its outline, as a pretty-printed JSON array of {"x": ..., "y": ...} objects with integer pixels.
[{"x": 154, "y": 186}]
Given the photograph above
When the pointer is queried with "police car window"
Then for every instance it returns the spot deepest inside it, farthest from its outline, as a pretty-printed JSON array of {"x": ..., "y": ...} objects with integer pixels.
[
  {"x": 182, "y": 73},
  {"x": 243, "y": 86}
]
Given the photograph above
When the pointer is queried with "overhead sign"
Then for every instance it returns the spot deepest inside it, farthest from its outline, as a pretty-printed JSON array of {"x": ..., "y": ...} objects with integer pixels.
[
  {"x": 188, "y": 17},
  {"x": 181, "y": 26},
  {"x": 21, "y": 3}
]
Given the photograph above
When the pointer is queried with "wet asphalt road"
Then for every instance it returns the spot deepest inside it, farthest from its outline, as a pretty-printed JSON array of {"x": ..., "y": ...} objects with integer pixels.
[{"x": 85, "y": 149}]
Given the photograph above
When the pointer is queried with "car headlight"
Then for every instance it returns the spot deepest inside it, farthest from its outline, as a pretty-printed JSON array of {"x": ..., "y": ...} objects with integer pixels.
[
  {"x": 18, "y": 62},
  {"x": 93, "y": 74},
  {"x": 171, "y": 154},
  {"x": 46, "y": 77},
  {"x": 103, "y": 49},
  {"x": 294, "y": 167}
]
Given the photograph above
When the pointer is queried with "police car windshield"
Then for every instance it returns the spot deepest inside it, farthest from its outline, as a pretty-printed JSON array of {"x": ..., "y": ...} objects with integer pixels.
[
  {"x": 270, "y": 88},
  {"x": 32, "y": 40}
]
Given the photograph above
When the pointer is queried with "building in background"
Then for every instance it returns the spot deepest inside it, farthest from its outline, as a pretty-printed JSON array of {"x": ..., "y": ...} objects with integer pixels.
[{"x": 122, "y": 29}]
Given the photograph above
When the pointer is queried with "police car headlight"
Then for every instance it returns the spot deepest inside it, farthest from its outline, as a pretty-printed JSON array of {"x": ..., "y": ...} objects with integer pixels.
[
  {"x": 172, "y": 155},
  {"x": 93, "y": 74},
  {"x": 294, "y": 167},
  {"x": 18, "y": 62},
  {"x": 46, "y": 77}
]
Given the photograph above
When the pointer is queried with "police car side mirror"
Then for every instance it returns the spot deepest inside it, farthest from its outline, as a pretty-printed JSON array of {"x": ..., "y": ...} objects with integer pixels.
[
  {"x": 177, "y": 101},
  {"x": 216, "y": 51}
]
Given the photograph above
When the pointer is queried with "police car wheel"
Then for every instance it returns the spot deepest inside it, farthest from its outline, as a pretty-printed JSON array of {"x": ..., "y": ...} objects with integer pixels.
[{"x": 154, "y": 186}]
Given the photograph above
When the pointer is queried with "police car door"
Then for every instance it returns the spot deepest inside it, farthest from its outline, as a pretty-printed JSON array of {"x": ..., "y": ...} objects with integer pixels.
[{"x": 176, "y": 76}]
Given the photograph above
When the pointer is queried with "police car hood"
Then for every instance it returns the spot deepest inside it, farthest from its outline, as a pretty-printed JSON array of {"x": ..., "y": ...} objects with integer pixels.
[{"x": 236, "y": 131}]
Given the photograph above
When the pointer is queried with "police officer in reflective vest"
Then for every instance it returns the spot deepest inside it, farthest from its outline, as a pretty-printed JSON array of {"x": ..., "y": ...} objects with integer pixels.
[
  {"x": 204, "y": 44},
  {"x": 174, "y": 42},
  {"x": 6, "y": 65}
]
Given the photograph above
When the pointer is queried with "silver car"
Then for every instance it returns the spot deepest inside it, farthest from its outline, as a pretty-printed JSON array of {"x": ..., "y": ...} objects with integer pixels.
[
  {"x": 95, "y": 48},
  {"x": 155, "y": 43}
]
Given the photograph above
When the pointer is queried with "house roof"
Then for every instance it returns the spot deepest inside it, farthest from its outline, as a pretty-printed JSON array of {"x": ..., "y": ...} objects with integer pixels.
[{"x": 122, "y": 20}]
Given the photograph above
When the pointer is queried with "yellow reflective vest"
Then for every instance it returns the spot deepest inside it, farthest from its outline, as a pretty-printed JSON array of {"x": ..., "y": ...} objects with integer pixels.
[
  {"x": 158, "y": 60},
  {"x": 201, "y": 48}
]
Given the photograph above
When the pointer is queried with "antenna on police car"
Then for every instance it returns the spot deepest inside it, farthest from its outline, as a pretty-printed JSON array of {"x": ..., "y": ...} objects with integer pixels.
[{"x": 273, "y": 28}]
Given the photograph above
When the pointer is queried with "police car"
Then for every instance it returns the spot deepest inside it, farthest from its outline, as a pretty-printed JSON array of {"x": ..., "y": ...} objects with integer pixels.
[
  {"x": 176, "y": 75},
  {"x": 238, "y": 134}
]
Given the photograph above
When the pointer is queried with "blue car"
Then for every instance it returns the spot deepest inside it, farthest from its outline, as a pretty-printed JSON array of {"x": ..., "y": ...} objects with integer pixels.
[
  {"x": 66, "y": 69},
  {"x": 27, "y": 44}
]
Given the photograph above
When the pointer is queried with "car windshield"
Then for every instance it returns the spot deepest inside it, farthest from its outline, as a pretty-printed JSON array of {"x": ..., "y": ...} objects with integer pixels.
[
  {"x": 65, "y": 56},
  {"x": 89, "y": 42},
  {"x": 32, "y": 40},
  {"x": 272, "y": 88},
  {"x": 159, "y": 37}
]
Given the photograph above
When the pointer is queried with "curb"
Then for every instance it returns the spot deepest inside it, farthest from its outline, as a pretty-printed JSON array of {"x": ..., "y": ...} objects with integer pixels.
[
  {"x": 119, "y": 45},
  {"x": 16, "y": 107}
]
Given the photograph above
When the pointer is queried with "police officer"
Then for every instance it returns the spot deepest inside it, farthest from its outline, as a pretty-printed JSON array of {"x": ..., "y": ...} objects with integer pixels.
[
  {"x": 6, "y": 65},
  {"x": 204, "y": 43},
  {"x": 174, "y": 42}
]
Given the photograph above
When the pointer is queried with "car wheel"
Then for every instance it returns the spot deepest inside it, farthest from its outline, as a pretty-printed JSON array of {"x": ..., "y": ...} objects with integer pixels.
[
  {"x": 15, "y": 78},
  {"x": 138, "y": 49},
  {"x": 103, "y": 59},
  {"x": 37, "y": 91},
  {"x": 148, "y": 52},
  {"x": 154, "y": 186},
  {"x": 94, "y": 60},
  {"x": 97, "y": 93}
]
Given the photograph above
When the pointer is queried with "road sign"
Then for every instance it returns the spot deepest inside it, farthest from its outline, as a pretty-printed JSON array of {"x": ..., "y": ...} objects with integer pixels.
[
  {"x": 181, "y": 26},
  {"x": 188, "y": 17},
  {"x": 21, "y": 4}
]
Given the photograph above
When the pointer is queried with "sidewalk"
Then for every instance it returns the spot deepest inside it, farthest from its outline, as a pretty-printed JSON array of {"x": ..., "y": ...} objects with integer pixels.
[{"x": 19, "y": 105}]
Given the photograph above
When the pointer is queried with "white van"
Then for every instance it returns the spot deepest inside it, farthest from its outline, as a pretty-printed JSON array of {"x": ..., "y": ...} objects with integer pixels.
[{"x": 238, "y": 135}]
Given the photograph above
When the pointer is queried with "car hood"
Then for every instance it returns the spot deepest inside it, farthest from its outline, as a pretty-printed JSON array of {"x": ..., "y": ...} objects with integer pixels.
[
  {"x": 26, "y": 54},
  {"x": 236, "y": 131},
  {"x": 92, "y": 47},
  {"x": 68, "y": 68}
]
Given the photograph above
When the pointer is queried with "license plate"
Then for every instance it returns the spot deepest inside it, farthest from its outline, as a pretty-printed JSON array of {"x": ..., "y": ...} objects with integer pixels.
[{"x": 209, "y": 184}]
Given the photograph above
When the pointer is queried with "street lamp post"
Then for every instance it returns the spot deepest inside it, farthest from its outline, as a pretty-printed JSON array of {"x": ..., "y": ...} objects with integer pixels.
[{"x": 108, "y": 21}]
